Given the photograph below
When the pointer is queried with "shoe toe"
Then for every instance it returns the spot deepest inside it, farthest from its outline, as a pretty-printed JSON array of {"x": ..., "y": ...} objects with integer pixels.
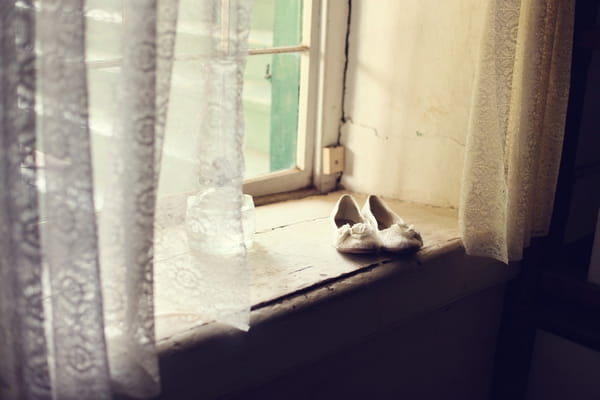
[
  {"x": 398, "y": 239},
  {"x": 359, "y": 238}
]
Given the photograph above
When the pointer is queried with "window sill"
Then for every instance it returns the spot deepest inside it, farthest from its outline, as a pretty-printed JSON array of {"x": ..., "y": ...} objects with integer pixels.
[{"x": 295, "y": 268}]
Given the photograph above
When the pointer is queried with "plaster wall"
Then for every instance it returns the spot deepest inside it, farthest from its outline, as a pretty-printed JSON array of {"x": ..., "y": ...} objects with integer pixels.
[{"x": 411, "y": 68}]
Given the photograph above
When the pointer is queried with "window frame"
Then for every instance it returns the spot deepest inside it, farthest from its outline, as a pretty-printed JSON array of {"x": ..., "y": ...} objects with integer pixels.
[{"x": 322, "y": 67}]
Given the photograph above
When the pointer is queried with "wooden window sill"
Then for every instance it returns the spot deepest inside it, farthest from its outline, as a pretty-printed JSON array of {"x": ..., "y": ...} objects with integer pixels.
[{"x": 307, "y": 298}]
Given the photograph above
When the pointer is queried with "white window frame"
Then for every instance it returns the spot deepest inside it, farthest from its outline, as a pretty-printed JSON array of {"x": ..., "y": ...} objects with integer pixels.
[{"x": 322, "y": 66}]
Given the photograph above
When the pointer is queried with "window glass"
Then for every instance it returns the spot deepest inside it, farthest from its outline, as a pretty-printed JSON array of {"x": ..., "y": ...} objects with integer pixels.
[
  {"x": 275, "y": 23},
  {"x": 272, "y": 88}
]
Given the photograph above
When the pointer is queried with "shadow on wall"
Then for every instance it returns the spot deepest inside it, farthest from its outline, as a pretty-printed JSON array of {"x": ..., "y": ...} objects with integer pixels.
[{"x": 408, "y": 93}]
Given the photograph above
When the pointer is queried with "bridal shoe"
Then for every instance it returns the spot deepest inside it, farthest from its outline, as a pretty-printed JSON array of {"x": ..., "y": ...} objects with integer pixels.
[
  {"x": 393, "y": 233},
  {"x": 353, "y": 234}
]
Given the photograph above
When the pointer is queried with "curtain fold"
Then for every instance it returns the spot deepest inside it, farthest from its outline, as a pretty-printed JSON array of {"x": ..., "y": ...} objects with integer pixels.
[
  {"x": 24, "y": 371},
  {"x": 516, "y": 126},
  {"x": 128, "y": 212},
  {"x": 78, "y": 281},
  {"x": 203, "y": 276},
  {"x": 78, "y": 362}
]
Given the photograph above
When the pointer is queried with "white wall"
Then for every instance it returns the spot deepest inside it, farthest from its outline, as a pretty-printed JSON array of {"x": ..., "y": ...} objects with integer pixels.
[{"x": 408, "y": 89}]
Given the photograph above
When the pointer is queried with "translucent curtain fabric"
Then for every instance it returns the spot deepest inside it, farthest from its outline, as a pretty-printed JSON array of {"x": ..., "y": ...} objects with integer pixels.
[
  {"x": 128, "y": 213},
  {"x": 78, "y": 362},
  {"x": 516, "y": 126},
  {"x": 63, "y": 334},
  {"x": 24, "y": 372},
  {"x": 204, "y": 277},
  {"x": 78, "y": 281}
]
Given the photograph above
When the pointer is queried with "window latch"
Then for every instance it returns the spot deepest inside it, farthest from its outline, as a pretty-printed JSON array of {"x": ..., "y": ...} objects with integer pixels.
[{"x": 333, "y": 160}]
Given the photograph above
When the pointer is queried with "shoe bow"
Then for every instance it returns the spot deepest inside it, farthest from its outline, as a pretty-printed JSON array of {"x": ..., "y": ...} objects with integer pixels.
[{"x": 356, "y": 231}]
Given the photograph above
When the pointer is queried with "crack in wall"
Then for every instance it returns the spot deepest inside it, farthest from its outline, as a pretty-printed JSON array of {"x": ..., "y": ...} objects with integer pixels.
[
  {"x": 447, "y": 137},
  {"x": 372, "y": 129},
  {"x": 345, "y": 76}
]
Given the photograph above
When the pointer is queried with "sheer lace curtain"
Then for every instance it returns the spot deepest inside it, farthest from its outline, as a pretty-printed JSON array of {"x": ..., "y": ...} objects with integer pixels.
[
  {"x": 77, "y": 281},
  {"x": 200, "y": 252},
  {"x": 516, "y": 126}
]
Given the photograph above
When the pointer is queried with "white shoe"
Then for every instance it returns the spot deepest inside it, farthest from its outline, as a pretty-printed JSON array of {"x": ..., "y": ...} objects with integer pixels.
[
  {"x": 394, "y": 234},
  {"x": 353, "y": 234}
]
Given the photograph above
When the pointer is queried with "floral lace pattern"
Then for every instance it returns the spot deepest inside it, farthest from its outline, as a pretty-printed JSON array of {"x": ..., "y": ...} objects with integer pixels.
[
  {"x": 78, "y": 290},
  {"x": 78, "y": 364},
  {"x": 516, "y": 126},
  {"x": 127, "y": 218},
  {"x": 63, "y": 334},
  {"x": 208, "y": 279},
  {"x": 24, "y": 372}
]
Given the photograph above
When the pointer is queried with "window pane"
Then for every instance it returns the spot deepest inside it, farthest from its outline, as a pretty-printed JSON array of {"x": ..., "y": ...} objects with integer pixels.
[
  {"x": 257, "y": 113},
  {"x": 271, "y": 90},
  {"x": 276, "y": 23},
  {"x": 103, "y": 29}
]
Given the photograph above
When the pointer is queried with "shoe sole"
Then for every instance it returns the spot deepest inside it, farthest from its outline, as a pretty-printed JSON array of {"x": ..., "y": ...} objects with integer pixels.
[
  {"x": 357, "y": 251},
  {"x": 409, "y": 250}
]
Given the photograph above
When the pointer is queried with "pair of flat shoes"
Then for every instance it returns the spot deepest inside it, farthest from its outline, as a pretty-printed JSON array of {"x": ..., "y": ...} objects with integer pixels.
[{"x": 375, "y": 227}]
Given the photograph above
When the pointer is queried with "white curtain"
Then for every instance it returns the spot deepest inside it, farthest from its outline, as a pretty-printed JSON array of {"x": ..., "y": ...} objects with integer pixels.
[
  {"x": 200, "y": 254},
  {"x": 126, "y": 222},
  {"x": 516, "y": 126},
  {"x": 77, "y": 281},
  {"x": 24, "y": 371}
]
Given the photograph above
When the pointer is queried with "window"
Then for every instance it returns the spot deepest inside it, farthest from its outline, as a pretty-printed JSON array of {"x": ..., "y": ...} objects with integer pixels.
[
  {"x": 272, "y": 86},
  {"x": 295, "y": 46},
  {"x": 275, "y": 92},
  {"x": 286, "y": 87}
]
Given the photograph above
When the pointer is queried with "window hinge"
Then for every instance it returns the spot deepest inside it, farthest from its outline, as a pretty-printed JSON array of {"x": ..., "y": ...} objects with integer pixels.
[{"x": 333, "y": 159}]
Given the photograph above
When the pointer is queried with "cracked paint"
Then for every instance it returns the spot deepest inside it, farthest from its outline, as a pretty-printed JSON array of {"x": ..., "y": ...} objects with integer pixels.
[{"x": 372, "y": 130}]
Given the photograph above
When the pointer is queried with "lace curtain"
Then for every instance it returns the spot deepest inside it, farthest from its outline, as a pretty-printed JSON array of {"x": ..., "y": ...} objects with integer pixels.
[
  {"x": 516, "y": 126},
  {"x": 200, "y": 251},
  {"x": 78, "y": 280}
]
